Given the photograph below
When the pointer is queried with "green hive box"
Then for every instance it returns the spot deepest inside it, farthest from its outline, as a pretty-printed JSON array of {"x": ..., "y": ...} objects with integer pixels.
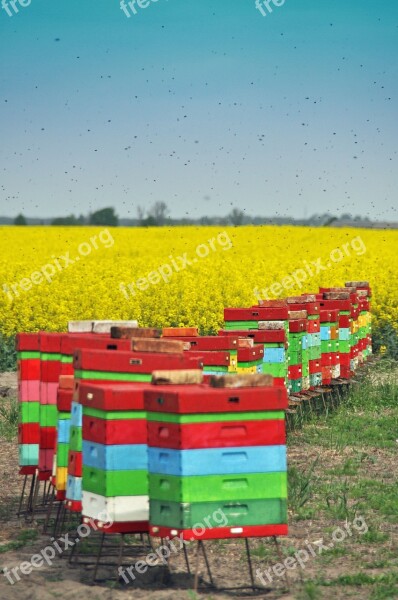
[
  {"x": 75, "y": 439},
  {"x": 111, "y": 376},
  {"x": 295, "y": 342},
  {"x": 62, "y": 454},
  {"x": 48, "y": 415},
  {"x": 29, "y": 412},
  {"x": 274, "y": 369},
  {"x": 221, "y": 488},
  {"x": 115, "y": 483},
  {"x": 234, "y": 514},
  {"x": 116, "y": 415},
  {"x": 238, "y": 325},
  {"x": 268, "y": 415},
  {"x": 295, "y": 358}
]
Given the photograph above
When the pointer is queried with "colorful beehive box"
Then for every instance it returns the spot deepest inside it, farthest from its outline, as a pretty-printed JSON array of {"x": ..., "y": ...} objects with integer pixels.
[
  {"x": 338, "y": 299},
  {"x": 274, "y": 342},
  {"x": 108, "y": 366},
  {"x": 326, "y": 347},
  {"x": 50, "y": 371},
  {"x": 69, "y": 343},
  {"x": 115, "y": 456},
  {"x": 251, "y": 318},
  {"x": 250, "y": 358},
  {"x": 364, "y": 294},
  {"x": 98, "y": 327},
  {"x": 216, "y": 362},
  {"x": 210, "y": 343},
  {"x": 217, "y": 461},
  {"x": 64, "y": 403},
  {"x": 311, "y": 340},
  {"x": 28, "y": 366},
  {"x": 297, "y": 338}
]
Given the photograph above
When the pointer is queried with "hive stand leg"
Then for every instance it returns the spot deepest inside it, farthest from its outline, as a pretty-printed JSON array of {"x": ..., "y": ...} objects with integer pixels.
[
  {"x": 325, "y": 406},
  {"x": 34, "y": 498},
  {"x": 207, "y": 563},
  {"x": 98, "y": 557},
  {"x": 249, "y": 562},
  {"x": 187, "y": 560},
  {"x": 29, "y": 506},
  {"x": 74, "y": 552},
  {"x": 43, "y": 501},
  {"x": 339, "y": 396},
  {"x": 310, "y": 406},
  {"x": 201, "y": 546},
  {"x": 49, "y": 511},
  {"x": 60, "y": 512},
  {"x": 195, "y": 587},
  {"x": 59, "y": 527},
  {"x": 281, "y": 559},
  {"x": 25, "y": 479},
  {"x": 121, "y": 549},
  {"x": 149, "y": 542}
]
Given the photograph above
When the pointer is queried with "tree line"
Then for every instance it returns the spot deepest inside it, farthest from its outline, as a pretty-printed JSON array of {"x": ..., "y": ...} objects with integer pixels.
[{"x": 157, "y": 215}]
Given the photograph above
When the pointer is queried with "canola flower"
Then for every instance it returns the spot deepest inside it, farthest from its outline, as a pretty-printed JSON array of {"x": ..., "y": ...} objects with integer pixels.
[{"x": 91, "y": 285}]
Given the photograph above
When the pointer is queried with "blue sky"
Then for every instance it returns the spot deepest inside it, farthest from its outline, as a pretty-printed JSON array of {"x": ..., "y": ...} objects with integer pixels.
[{"x": 204, "y": 105}]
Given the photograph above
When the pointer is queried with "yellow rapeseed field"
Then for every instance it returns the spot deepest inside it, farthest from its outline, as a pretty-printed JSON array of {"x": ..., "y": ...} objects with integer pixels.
[{"x": 182, "y": 275}]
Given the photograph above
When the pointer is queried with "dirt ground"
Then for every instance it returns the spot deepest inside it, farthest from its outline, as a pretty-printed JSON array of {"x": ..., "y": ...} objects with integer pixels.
[{"x": 21, "y": 539}]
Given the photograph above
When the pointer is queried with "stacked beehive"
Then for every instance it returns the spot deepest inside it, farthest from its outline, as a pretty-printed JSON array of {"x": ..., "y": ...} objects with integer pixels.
[
  {"x": 297, "y": 340},
  {"x": 338, "y": 300},
  {"x": 100, "y": 366},
  {"x": 334, "y": 343},
  {"x": 115, "y": 464},
  {"x": 217, "y": 451},
  {"x": 275, "y": 344},
  {"x": 364, "y": 322},
  {"x": 306, "y": 307},
  {"x": 28, "y": 357},
  {"x": 221, "y": 344},
  {"x": 64, "y": 402},
  {"x": 69, "y": 343},
  {"x": 272, "y": 319},
  {"x": 215, "y": 362},
  {"x": 250, "y": 357},
  {"x": 50, "y": 371}
]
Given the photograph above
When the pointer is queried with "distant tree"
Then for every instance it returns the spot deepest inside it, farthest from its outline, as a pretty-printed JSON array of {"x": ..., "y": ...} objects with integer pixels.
[
  {"x": 20, "y": 220},
  {"x": 65, "y": 221},
  {"x": 346, "y": 217},
  {"x": 105, "y": 216},
  {"x": 236, "y": 217},
  {"x": 330, "y": 221},
  {"x": 81, "y": 220},
  {"x": 140, "y": 214},
  {"x": 159, "y": 212},
  {"x": 150, "y": 221}
]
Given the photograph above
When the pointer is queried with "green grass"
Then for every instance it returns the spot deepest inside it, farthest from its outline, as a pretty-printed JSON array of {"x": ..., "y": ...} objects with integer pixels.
[
  {"x": 8, "y": 354},
  {"x": 353, "y": 475},
  {"x": 368, "y": 417},
  {"x": 9, "y": 416},
  {"x": 24, "y": 538}
]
